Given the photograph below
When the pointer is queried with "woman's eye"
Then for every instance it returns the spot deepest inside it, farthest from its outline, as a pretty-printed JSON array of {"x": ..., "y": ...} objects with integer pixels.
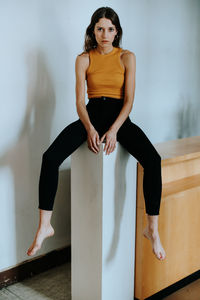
[{"x": 110, "y": 29}]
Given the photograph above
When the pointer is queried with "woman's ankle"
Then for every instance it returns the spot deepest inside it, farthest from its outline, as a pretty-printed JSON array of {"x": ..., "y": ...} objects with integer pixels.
[
  {"x": 152, "y": 223},
  {"x": 45, "y": 218},
  {"x": 44, "y": 225}
]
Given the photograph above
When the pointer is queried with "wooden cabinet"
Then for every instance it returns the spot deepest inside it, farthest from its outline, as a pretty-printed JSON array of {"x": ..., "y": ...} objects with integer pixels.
[{"x": 179, "y": 219}]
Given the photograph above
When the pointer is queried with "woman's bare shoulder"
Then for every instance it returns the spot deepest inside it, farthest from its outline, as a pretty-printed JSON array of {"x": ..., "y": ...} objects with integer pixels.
[
  {"x": 128, "y": 58},
  {"x": 84, "y": 54},
  {"x": 126, "y": 53},
  {"x": 82, "y": 59}
]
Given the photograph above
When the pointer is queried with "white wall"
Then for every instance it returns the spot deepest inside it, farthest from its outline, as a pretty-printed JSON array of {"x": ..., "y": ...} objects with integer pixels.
[{"x": 39, "y": 43}]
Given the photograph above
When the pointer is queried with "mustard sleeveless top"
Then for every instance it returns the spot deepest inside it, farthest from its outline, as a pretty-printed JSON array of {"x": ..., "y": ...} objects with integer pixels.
[{"x": 105, "y": 74}]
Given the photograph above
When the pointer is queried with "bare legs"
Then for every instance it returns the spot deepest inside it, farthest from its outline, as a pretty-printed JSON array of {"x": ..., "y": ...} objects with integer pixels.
[
  {"x": 151, "y": 233},
  {"x": 44, "y": 230}
]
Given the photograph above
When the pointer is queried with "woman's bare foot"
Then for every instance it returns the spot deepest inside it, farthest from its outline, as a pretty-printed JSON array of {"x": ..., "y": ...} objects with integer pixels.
[
  {"x": 151, "y": 233},
  {"x": 157, "y": 248},
  {"x": 42, "y": 233},
  {"x": 44, "y": 230}
]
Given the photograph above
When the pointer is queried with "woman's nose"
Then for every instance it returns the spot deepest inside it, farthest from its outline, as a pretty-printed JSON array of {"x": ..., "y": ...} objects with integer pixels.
[{"x": 104, "y": 34}]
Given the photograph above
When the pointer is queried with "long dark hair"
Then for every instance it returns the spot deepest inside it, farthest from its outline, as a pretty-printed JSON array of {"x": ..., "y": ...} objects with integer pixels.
[{"x": 102, "y": 12}]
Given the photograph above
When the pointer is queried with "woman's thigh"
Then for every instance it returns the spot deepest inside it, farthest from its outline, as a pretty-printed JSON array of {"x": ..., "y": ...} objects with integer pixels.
[
  {"x": 103, "y": 113},
  {"x": 135, "y": 141},
  {"x": 69, "y": 139}
]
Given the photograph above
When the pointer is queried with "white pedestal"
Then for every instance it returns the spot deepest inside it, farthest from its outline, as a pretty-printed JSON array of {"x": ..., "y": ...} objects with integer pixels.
[{"x": 103, "y": 217}]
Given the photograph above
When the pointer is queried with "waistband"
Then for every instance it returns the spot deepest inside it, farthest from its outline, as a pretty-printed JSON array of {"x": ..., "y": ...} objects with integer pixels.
[{"x": 103, "y": 98}]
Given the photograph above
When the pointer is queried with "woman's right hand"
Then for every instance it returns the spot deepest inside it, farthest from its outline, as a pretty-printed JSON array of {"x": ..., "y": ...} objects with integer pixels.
[{"x": 93, "y": 140}]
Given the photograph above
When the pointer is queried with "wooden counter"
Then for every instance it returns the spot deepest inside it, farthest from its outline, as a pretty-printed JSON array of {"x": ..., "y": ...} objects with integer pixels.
[{"x": 179, "y": 219}]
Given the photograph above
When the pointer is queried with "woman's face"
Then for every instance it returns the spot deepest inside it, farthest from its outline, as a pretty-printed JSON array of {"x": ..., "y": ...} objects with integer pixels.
[{"x": 104, "y": 32}]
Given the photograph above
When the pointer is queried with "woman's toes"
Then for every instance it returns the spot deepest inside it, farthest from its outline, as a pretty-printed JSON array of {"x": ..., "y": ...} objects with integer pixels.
[
  {"x": 40, "y": 236},
  {"x": 30, "y": 250},
  {"x": 36, "y": 248},
  {"x": 157, "y": 248},
  {"x": 161, "y": 255}
]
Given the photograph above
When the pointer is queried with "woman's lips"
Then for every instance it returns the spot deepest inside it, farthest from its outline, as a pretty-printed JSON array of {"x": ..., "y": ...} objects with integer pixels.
[{"x": 105, "y": 41}]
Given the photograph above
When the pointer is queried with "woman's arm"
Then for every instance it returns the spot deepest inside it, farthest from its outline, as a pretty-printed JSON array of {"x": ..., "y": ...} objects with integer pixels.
[
  {"x": 129, "y": 61},
  {"x": 129, "y": 92},
  {"x": 81, "y": 66}
]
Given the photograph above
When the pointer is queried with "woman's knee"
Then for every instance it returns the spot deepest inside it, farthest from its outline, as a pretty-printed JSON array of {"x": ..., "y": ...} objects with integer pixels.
[
  {"x": 48, "y": 158},
  {"x": 153, "y": 161},
  {"x": 157, "y": 158}
]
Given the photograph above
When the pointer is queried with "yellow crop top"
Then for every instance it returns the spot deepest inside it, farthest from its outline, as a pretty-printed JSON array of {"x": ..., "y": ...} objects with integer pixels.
[{"x": 105, "y": 74}]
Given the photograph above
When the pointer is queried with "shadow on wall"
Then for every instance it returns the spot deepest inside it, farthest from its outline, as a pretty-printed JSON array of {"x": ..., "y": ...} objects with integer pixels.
[
  {"x": 24, "y": 157},
  {"x": 36, "y": 132},
  {"x": 187, "y": 121}
]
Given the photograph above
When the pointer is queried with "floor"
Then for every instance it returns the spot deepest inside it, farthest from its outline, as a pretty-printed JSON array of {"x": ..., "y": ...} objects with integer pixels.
[
  {"x": 55, "y": 284},
  {"x": 189, "y": 292}
]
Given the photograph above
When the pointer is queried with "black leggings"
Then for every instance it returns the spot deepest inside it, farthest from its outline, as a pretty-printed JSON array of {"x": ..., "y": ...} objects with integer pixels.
[{"x": 102, "y": 114}]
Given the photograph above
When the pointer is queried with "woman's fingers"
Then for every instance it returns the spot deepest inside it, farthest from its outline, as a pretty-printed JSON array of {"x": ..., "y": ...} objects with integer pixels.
[
  {"x": 102, "y": 138},
  {"x": 97, "y": 140},
  {"x": 91, "y": 147},
  {"x": 110, "y": 147},
  {"x": 93, "y": 142}
]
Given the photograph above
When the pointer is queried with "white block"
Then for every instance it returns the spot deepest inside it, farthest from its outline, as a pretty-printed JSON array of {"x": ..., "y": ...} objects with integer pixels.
[{"x": 103, "y": 219}]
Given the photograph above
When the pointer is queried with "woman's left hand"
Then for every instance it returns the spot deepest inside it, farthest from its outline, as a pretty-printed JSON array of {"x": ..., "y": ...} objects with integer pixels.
[{"x": 111, "y": 139}]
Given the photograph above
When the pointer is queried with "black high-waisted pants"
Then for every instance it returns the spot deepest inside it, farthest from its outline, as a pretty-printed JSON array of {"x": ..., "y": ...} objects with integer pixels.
[{"x": 102, "y": 113}]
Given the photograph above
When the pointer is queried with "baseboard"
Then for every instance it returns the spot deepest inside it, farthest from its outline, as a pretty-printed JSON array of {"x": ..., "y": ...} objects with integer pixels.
[
  {"x": 35, "y": 266},
  {"x": 58, "y": 257},
  {"x": 174, "y": 287}
]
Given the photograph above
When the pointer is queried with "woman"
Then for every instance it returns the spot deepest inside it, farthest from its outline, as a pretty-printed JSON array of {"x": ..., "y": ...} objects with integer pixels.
[{"x": 110, "y": 74}]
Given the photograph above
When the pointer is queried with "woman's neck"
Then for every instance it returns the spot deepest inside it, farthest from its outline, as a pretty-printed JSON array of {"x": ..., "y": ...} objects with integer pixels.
[{"x": 103, "y": 51}]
